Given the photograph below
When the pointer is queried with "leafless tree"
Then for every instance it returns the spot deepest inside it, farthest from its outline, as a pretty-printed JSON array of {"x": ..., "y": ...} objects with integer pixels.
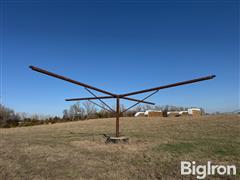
[
  {"x": 90, "y": 109},
  {"x": 76, "y": 112}
]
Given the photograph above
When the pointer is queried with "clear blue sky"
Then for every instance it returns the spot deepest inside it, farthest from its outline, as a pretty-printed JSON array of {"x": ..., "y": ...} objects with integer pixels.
[{"x": 120, "y": 47}]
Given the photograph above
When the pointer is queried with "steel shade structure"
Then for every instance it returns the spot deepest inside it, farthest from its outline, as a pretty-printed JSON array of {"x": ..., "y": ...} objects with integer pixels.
[{"x": 117, "y": 96}]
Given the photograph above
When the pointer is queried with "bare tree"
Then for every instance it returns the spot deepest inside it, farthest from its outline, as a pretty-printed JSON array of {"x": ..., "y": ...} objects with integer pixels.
[
  {"x": 65, "y": 114},
  {"x": 76, "y": 112},
  {"x": 90, "y": 109},
  {"x": 8, "y": 117},
  {"x": 22, "y": 115}
]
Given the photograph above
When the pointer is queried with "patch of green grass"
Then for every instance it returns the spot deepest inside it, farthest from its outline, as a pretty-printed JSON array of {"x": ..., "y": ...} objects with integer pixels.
[
  {"x": 226, "y": 151},
  {"x": 176, "y": 148}
]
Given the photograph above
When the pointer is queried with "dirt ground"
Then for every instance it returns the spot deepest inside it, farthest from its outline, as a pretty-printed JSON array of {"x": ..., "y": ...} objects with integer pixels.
[{"x": 76, "y": 150}]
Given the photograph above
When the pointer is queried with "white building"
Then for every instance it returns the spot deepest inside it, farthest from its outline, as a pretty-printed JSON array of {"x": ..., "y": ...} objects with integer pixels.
[
  {"x": 194, "y": 111},
  {"x": 139, "y": 114}
]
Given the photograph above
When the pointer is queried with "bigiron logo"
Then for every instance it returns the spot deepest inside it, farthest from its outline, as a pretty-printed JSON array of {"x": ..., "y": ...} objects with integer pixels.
[{"x": 202, "y": 171}]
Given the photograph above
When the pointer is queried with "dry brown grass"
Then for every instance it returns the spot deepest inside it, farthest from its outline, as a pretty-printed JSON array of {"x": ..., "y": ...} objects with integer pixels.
[{"x": 76, "y": 150}]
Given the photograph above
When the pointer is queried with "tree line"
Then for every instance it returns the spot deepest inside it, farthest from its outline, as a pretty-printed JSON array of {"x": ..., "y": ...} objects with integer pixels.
[{"x": 86, "y": 110}]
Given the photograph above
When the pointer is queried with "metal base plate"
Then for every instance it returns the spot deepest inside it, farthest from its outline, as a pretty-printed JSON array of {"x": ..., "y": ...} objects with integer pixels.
[{"x": 121, "y": 139}]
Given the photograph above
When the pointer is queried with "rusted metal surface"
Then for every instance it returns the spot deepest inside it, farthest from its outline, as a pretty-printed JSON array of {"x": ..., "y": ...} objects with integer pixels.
[
  {"x": 169, "y": 86},
  {"x": 89, "y": 98},
  {"x": 140, "y": 101},
  {"x": 118, "y": 97},
  {"x": 109, "y": 97},
  {"x": 70, "y": 80},
  {"x": 117, "y": 116}
]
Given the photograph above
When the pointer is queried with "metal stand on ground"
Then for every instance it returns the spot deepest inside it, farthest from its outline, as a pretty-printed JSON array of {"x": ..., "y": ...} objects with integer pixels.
[{"x": 117, "y": 112}]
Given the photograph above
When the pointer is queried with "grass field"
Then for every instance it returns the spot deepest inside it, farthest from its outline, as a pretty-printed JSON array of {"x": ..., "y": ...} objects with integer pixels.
[{"x": 76, "y": 150}]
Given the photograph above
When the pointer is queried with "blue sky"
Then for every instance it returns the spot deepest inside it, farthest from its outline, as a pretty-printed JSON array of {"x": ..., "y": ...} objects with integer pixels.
[{"x": 120, "y": 47}]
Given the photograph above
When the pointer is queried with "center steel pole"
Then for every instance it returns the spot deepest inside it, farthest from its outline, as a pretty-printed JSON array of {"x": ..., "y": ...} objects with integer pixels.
[
  {"x": 117, "y": 96},
  {"x": 117, "y": 116}
]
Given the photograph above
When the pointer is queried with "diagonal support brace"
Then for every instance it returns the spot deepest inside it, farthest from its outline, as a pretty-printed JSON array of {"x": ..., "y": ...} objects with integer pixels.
[
  {"x": 99, "y": 99},
  {"x": 140, "y": 101},
  {"x": 101, "y": 106}
]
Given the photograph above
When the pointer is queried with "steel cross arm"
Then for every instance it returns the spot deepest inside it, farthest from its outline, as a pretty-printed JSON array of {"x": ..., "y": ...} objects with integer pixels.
[
  {"x": 168, "y": 86},
  {"x": 136, "y": 100},
  {"x": 89, "y": 98},
  {"x": 108, "y": 97},
  {"x": 70, "y": 80}
]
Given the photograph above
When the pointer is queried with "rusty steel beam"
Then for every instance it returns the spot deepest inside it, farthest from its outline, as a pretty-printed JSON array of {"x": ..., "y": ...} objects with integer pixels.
[
  {"x": 117, "y": 115},
  {"x": 70, "y": 80},
  {"x": 169, "y": 86},
  {"x": 109, "y": 97},
  {"x": 89, "y": 98},
  {"x": 136, "y": 100}
]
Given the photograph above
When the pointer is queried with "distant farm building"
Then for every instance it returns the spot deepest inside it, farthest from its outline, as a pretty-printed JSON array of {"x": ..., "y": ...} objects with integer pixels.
[
  {"x": 194, "y": 112},
  {"x": 173, "y": 114},
  {"x": 149, "y": 113},
  {"x": 152, "y": 113},
  {"x": 183, "y": 113},
  {"x": 140, "y": 114},
  {"x": 236, "y": 111}
]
